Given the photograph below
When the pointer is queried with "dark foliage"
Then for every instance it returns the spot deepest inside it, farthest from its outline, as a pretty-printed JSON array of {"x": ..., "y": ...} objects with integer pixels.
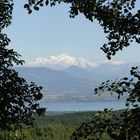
[
  {"x": 18, "y": 99},
  {"x": 117, "y": 18},
  {"x": 125, "y": 86},
  {"x": 127, "y": 125},
  {"x": 122, "y": 26},
  {"x": 6, "y": 7},
  {"x": 130, "y": 126},
  {"x": 101, "y": 124}
]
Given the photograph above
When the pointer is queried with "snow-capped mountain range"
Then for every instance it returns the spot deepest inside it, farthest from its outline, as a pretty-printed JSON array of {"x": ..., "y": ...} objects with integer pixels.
[
  {"x": 64, "y": 60},
  {"x": 65, "y": 78}
]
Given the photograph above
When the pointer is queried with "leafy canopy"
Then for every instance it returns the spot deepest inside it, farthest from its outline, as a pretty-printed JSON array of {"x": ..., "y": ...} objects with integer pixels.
[
  {"x": 18, "y": 99},
  {"x": 122, "y": 26}
]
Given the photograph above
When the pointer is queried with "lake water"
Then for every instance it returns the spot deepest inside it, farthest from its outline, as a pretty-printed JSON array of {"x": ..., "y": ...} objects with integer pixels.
[{"x": 83, "y": 106}]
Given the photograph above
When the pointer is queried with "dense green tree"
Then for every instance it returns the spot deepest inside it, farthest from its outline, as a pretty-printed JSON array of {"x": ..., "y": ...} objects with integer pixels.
[
  {"x": 18, "y": 99},
  {"x": 122, "y": 26}
]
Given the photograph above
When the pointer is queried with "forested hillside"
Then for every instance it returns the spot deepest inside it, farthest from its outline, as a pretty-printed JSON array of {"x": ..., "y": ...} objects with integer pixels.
[{"x": 55, "y": 126}]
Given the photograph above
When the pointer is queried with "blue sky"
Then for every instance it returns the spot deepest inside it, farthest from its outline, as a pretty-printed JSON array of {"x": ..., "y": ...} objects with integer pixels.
[{"x": 51, "y": 32}]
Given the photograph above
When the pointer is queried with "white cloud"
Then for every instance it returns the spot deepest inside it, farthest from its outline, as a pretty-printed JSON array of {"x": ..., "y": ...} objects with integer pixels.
[
  {"x": 64, "y": 60},
  {"x": 119, "y": 62},
  {"x": 84, "y": 63}
]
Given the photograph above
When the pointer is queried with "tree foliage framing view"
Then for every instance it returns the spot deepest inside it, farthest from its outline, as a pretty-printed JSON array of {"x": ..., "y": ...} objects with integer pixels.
[
  {"x": 122, "y": 27},
  {"x": 18, "y": 99}
]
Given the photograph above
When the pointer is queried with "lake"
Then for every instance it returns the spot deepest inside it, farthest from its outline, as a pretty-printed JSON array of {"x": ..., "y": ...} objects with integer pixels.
[{"x": 83, "y": 106}]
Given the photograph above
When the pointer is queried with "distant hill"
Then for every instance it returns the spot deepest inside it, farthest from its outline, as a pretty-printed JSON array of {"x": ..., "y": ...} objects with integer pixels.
[
  {"x": 57, "y": 80},
  {"x": 74, "y": 82},
  {"x": 100, "y": 73}
]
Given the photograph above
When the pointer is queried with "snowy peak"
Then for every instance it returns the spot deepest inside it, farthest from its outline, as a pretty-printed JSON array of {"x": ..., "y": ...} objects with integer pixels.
[{"x": 64, "y": 60}]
